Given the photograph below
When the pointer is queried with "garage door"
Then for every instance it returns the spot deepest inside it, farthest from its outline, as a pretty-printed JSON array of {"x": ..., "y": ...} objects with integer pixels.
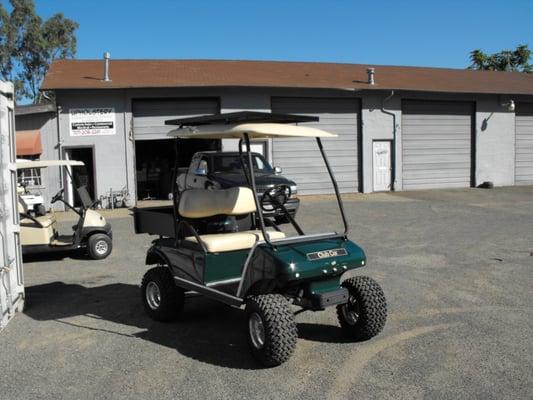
[
  {"x": 301, "y": 159},
  {"x": 149, "y": 115},
  {"x": 524, "y": 144},
  {"x": 436, "y": 144}
]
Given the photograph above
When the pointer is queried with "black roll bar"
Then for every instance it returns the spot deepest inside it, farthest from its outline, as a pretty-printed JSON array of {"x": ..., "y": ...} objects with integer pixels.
[
  {"x": 175, "y": 189},
  {"x": 254, "y": 189},
  {"x": 335, "y": 187},
  {"x": 241, "y": 159}
]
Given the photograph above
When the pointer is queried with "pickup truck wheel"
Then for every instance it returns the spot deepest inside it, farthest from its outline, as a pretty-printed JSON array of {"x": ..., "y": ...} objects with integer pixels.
[
  {"x": 365, "y": 314},
  {"x": 99, "y": 246},
  {"x": 161, "y": 298},
  {"x": 272, "y": 332}
]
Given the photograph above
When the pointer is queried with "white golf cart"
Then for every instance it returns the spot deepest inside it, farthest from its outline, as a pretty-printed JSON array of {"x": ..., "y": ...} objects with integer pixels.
[{"x": 38, "y": 231}]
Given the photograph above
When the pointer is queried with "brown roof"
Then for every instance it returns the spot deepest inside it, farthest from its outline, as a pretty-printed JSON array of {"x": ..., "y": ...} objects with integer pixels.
[{"x": 87, "y": 74}]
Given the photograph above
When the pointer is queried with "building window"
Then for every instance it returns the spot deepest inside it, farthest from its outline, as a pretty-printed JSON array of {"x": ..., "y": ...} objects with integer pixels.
[{"x": 30, "y": 178}]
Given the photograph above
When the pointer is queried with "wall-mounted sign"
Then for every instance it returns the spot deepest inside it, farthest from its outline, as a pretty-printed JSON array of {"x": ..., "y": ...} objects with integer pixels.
[{"x": 92, "y": 121}]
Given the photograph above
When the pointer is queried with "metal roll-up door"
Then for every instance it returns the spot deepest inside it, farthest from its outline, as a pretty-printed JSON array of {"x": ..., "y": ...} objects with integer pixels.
[
  {"x": 437, "y": 144},
  {"x": 300, "y": 158},
  {"x": 524, "y": 144},
  {"x": 149, "y": 115}
]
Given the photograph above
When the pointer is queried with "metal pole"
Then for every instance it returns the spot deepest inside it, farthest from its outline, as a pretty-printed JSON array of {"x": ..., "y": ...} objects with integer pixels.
[
  {"x": 243, "y": 164},
  {"x": 175, "y": 188},
  {"x": 252, "y": 181},
  {"x": 339, "y": 200},
  {"x": 393, "y": 144}
]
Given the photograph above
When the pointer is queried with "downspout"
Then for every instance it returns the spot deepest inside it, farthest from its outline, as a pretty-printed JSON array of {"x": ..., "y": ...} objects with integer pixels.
[
  {"x": 58, "y": 111},
  {"x": 59, "y": 141},
  {"x": 393, "y": 145}
]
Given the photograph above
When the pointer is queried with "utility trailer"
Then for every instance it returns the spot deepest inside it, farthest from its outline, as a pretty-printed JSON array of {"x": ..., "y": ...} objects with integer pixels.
[{"x": 11, "y": 279}]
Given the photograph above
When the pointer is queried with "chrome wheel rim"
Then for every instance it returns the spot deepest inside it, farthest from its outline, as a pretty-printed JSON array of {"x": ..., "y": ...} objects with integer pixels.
[
  {"x": 153, "y": 295},
  {"x": 101, "y": 247},
  {"x": 257, "y": 330},
  {"x": 351, "y": 311}
]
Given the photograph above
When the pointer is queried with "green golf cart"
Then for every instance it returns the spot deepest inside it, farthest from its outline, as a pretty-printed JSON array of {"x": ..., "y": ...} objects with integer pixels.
[{"x": 218, "y": 243}]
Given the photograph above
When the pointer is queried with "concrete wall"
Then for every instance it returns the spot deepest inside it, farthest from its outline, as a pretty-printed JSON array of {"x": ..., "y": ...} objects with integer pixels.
[
  {"x": 381, "y": 120},
  {"x": 115, "y": 155},
  {"x": 109, "y": 152},
  {"x": 495, "y": 142},
  {"x": 46, "y": 123}
]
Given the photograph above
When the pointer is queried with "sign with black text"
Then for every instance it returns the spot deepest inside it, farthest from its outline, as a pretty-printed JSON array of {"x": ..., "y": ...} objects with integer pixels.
[{"x": 92, "y": 121}]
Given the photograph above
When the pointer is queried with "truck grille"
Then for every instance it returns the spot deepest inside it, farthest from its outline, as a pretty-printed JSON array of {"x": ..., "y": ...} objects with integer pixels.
[{"x": 263, "y": 188}]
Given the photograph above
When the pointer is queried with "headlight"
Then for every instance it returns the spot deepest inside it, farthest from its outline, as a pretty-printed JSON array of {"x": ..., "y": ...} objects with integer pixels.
[{"x": 294, "y": 190}]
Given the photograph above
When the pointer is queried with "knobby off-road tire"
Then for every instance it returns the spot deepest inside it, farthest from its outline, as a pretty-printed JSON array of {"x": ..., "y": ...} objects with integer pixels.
[
  {"x": 161, "y": 298},
  {"x": 364, "y": 316},
  {"x": 99, "y": 246},
  {"x": 272, "y": 332}
]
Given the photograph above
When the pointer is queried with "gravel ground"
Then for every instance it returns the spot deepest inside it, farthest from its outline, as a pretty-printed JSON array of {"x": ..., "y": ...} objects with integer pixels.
[{"x": 456, "y": 267}]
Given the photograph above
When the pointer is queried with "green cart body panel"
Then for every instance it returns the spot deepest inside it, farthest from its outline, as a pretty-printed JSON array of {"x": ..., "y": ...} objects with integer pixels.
[
  {"x": 310, "y": 262},
  {"x": 318, "y": 264},
  {"x": 224, "y": 266}
]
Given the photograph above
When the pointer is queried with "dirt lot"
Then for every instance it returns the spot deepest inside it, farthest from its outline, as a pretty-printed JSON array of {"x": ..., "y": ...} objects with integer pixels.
[{"x": 456, "y": 267}]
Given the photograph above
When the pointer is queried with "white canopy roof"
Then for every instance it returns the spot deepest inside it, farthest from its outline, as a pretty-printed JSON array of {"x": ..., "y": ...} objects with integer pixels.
[
  {"x": 254, "y": 130},
  {"x": 25, "y": 164}
]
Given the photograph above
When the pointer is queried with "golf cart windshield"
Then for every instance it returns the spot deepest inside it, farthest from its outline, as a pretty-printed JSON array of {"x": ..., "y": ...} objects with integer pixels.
[{"x": 231, "y": 163}]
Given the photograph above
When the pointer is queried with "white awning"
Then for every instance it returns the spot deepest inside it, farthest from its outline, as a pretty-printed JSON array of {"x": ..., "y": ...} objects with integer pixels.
[
  {"x": 254, "y": 131},
  {"x": 25, "y": 164}
]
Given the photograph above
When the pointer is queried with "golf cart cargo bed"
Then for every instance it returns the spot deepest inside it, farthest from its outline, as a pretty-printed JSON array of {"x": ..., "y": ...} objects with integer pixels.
[{"x": 154, "y": 220}]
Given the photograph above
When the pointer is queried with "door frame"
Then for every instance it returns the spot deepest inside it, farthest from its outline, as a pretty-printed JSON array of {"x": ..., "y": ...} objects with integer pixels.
[
  {"x": 392, "y": 164},
  {"x": 68, "y": 181}
]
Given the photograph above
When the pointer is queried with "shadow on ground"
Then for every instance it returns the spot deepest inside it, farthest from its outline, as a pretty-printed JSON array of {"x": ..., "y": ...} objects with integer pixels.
[
  {"x": 208, "y": 331},
  {"x": 56, "y": 256}
]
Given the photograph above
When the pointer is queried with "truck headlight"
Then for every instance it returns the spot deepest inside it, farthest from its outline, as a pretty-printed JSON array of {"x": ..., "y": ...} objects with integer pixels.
[{"x": 294, "y": 190}]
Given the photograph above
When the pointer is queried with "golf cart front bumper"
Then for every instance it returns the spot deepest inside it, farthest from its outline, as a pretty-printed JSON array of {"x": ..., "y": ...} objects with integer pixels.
[{"x": 319, "y": 301}]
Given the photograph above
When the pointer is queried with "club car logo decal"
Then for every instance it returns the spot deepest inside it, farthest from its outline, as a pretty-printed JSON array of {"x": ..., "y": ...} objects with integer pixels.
[{"x": 319, "y": 255}]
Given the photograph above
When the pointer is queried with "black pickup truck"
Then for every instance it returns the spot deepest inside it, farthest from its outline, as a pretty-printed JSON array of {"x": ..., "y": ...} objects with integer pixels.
[{"x": 222, "y": 170}]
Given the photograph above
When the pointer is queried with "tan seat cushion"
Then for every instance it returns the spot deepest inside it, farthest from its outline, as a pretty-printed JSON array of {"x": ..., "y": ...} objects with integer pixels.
[
  {"x": 45, "y": 220},
  {"x": 22, "y": 206},
  {"x": 219, "y": 242},
  {"x": 201, "y": 203}
]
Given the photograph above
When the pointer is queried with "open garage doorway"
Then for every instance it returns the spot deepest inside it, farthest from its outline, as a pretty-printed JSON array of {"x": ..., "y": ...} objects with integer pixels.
[
  {"x": 81, "y": 176},
  {"x": 155, "y": 161},
  {"x": 154, "y": 151}
]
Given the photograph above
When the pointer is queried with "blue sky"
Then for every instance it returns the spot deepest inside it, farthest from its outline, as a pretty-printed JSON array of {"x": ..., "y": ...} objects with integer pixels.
[{"x": 426, "y": 33}]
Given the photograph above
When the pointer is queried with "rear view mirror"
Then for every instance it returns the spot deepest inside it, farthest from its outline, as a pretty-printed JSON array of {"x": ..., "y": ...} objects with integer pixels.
[
  {"x": 200, "y": 172},
  {"x": 277, "y": 170}
]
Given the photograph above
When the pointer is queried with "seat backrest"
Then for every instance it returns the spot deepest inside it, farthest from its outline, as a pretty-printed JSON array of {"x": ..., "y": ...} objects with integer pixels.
[
  {"x": 22, "y": 206},
  {"x": 202, "y": 203}
]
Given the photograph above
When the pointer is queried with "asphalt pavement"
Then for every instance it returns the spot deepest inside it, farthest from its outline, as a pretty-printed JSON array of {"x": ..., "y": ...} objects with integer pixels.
[{"x": 456, "y": 267}]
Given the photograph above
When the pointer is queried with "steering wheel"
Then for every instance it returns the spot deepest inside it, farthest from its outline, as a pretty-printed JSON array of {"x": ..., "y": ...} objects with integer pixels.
[
  {"x": 57, "y": 196},
  {"x": 275, "y": 197}
]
